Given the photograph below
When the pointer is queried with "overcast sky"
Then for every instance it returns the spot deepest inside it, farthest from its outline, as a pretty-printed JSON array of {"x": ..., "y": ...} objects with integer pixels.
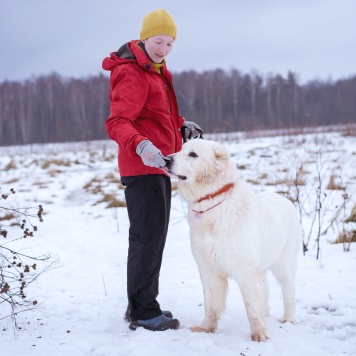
[{"x": 314, "y": 38}]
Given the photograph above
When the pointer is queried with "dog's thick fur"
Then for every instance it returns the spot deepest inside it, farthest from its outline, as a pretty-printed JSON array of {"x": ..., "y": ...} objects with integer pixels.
[{"x": 236, "y": 233}]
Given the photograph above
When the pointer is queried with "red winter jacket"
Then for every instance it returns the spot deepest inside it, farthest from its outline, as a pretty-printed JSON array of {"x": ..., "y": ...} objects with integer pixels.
[{"x": 143, "y": 106}]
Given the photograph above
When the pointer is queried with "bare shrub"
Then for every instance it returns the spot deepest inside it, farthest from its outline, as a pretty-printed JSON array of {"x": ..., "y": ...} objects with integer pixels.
[
  {"x": 321, "y": 197},
  {"x": 18, "y": 270}
]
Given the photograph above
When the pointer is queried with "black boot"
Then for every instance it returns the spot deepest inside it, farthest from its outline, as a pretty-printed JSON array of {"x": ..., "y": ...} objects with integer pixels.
[{"x": 127, "y": 317}]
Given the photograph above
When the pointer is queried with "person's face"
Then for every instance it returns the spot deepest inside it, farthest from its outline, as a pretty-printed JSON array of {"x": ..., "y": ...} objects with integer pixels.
[{"x": 158, "y": 47}]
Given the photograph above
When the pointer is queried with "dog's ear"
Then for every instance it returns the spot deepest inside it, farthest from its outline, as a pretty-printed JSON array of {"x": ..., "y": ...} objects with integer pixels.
[{"x": 221, "y": 154}]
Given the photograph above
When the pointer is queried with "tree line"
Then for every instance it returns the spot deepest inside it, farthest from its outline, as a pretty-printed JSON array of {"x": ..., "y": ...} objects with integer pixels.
[{"x": 55, "y": 109}]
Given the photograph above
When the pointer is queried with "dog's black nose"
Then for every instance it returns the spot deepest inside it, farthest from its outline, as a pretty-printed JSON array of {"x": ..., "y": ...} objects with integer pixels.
[{"x": 168, "y": 159}]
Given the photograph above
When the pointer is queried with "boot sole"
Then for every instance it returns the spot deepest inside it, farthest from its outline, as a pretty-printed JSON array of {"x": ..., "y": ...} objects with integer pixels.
[
  {"x": 172, "y": 324},
  {"x": 128, "y": 319}
]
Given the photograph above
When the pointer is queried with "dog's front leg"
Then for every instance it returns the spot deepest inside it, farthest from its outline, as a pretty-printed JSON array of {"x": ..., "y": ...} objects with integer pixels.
[
  {"x": 252, "y": 286},
  {"x": 215, "y": 289}
]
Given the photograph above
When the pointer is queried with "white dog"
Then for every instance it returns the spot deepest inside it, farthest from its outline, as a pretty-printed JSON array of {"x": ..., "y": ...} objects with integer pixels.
[{"x": 236, "y": 233}]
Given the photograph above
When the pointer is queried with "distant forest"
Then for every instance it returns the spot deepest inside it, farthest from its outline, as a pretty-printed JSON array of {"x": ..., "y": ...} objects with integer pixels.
[{"x": 55, "y": 109}]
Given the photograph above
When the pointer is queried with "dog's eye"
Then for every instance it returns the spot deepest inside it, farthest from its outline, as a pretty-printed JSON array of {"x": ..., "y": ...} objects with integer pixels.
[{"x": 192, "y": 154}]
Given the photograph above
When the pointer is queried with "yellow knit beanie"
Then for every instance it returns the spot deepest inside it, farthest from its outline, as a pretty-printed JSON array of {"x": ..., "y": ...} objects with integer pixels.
[{"x": 158, "y": 22}]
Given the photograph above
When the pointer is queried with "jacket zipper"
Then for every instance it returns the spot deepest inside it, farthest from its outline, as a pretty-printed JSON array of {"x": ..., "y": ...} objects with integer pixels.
[{"x": 170, "y": 110}]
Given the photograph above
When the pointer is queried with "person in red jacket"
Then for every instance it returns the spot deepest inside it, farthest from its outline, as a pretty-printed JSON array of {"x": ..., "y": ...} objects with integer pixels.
[{"x": 145, "y": 123}]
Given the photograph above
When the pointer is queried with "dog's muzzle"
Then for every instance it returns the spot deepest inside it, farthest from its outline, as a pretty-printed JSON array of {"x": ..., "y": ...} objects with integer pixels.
[{"x": 169, "y": 164}]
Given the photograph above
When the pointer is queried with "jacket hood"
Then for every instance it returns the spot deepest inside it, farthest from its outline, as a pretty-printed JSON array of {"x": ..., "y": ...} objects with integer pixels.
[
  {"x": 127, "y": 53},
  {"x": 124, "y": 52},
  {"x": 122, "y": 56}
]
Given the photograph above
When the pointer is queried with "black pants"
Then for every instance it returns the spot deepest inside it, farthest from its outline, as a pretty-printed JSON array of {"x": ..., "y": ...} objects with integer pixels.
[{"x": 148, "y": 200}]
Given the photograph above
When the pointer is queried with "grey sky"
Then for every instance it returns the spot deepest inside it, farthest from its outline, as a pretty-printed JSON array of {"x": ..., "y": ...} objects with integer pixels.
[{"x": 314, "y": 38}]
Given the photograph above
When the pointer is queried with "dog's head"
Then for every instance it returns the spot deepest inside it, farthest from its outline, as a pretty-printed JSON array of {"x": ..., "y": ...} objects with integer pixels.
[{"x": 200, "y": 163}]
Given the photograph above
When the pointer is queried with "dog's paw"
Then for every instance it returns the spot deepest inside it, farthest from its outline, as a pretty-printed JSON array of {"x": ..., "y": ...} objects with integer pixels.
[
  {"x": 287, "y": 320},
  {"x": 199, "y": 329},
  {"x": 259, "y": 336}
]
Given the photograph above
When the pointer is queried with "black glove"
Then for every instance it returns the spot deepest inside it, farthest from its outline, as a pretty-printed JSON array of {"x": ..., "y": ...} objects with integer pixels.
[{"x": 191, "y": 130}]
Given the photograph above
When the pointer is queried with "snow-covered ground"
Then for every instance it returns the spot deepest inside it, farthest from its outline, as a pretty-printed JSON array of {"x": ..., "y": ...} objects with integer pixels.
[{"x": 83, "y": 299}]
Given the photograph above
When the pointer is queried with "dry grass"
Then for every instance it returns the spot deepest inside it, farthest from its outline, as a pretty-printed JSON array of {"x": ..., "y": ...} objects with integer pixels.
[
  {"x": 34, "y": 161},
  {"x": 54, "y": 172},
  {"x": 111, "y": 201},
  {"x": 352, "y": 217},
  {"x": 115, "y": 179},
  {"x": 40, "y": 185},
  {"x": 109, "y": 157},
  {"x": 333, "y": 185},
  {"x": 253, "y": 181},
  {"x": 11, "y": 165},
  {"x": 7, "y": 216},
  {"x": 350, "y": 130},
  {"x": 299, "y": 182},
  {"x": 56, "y": 162},
  {"x": 346, "y": 236},
  {"x": 92, "y": 185},
  {"x": 96, "y": 186},
  {"x": 12, "y": 181}
]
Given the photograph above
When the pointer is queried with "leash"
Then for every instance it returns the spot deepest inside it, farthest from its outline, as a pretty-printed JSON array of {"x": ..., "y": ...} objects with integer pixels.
[{"x": 198, "y": 213}]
